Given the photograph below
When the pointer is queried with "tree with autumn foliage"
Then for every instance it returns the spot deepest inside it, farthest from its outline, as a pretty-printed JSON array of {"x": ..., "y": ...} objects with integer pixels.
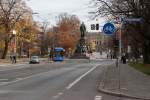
[
  {"x": 26, "y": 35},
  {"x": 68, "y": 31},
  {"x": 11, "y": 12},
  {"x": 65, "y": 34}
]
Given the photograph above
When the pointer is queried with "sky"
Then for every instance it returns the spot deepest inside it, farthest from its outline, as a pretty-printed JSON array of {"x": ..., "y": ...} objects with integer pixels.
[{"x": 48, "y": 10}]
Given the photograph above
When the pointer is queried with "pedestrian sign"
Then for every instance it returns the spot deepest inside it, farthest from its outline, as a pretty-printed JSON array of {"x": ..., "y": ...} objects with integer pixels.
[{"x": 109, "y": 29}]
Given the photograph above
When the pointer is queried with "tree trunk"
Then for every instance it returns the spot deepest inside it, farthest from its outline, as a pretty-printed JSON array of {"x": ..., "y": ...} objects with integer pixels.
[
  {"x": 146, "y": 53},
  {"x": 5, "y": 50}
]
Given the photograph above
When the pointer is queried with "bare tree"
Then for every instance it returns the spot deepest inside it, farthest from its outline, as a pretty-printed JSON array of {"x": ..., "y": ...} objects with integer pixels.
[
  {"x": 138, "y": 32},
  {"x": 44, "y": 39}
]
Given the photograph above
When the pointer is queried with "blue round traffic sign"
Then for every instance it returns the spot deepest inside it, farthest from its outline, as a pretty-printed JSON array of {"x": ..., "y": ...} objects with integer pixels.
[{"x": 109, "y": 28}]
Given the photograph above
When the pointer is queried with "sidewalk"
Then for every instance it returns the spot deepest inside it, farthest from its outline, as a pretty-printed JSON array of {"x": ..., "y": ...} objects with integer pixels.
[
  {"x": 126, "y": 82},
  {"x": 20, "y": 60},
  {"x": 6, "y": 64}
]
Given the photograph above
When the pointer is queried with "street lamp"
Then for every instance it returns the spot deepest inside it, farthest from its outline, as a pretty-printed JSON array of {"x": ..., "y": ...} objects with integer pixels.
[{"x": 14, "y": 47}]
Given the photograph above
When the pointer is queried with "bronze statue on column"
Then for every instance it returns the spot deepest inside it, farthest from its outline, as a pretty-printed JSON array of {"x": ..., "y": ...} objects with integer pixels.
[{"x": 82, "y": 30}]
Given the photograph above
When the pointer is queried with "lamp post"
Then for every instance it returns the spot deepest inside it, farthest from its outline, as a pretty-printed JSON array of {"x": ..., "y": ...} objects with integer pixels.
[
  {"x": 13, "y": 57},
  {"x": 14, "y": 44}
]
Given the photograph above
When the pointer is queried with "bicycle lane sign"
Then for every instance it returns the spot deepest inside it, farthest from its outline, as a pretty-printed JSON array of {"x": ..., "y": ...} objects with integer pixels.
[{"x": 109, "y": 29}]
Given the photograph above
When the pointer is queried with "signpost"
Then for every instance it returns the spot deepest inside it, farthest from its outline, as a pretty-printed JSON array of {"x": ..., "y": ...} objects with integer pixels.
[
  {"x": 124, "y": 19},
  {"x": 109, "y": 29}
]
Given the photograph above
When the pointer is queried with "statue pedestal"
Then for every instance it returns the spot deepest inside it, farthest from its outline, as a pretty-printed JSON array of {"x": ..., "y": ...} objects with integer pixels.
[
  {"x": 79, "y": 56},
  {"x": 80, "y": 50}
]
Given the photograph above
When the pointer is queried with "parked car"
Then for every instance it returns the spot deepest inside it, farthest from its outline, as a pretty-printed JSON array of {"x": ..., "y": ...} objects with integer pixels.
[{"x": 34, "y": 60}]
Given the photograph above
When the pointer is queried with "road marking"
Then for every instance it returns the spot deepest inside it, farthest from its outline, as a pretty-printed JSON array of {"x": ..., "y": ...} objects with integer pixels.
[
  {"x": 22, "y": 79},
  {"x": 3, "y": 79},
  {"x": 98, "y": 98},
  {"x": 3, "y": 83},
  {"x": 78, "y": 79},
  {"x": 58, "y": 95},
  {"x": 9, "y": 66},
  {"x": 18, "y": 79},
  {"x": 55, "y": 96},
  {"x": 11, "y": 91}
]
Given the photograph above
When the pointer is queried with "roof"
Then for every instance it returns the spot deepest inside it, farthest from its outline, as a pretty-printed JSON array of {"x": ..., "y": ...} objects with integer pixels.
[{"x": 59, "y": 49}]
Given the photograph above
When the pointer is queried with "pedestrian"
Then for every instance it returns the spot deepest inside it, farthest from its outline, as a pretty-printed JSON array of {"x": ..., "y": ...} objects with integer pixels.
[
  {"x": 107, "y": 56},
  {"x": 51, "y": 54},
  {"x": 14, "y": 59},
  {"x": 123, "y": 59}
]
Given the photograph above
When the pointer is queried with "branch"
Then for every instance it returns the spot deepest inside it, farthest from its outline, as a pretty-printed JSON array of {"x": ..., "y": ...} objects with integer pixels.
[{"x": 106, "y": 5}]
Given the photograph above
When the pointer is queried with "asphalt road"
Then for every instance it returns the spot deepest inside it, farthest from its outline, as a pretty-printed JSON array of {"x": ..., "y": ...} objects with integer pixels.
[{"x": 59, "y": 81}]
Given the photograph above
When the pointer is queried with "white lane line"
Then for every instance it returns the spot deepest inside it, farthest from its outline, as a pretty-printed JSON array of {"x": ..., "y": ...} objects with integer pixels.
[
  {"x": 58, "y": 95},
  {"x": 55, "y": 96},
  {"x": 3, "y": 79},
  {"x": 18, "y": 79},
  {"x": 11, "y": 91},
  {"x": 22, "y": 79},
  {"x": 98, "y": 98},
  {"x": 78, "y": 79},
  {"x": 22, "y": 66},
  {"x": 3, "y": 83},
  {"x": 9, "y": 65}
]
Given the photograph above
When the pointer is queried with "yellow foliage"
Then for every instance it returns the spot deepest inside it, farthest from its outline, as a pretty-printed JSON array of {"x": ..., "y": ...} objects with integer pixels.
[
  {"x": 26, "y": 31},
  {"x": 68, "y": 31},
  {"x": 2, "y": 45}
]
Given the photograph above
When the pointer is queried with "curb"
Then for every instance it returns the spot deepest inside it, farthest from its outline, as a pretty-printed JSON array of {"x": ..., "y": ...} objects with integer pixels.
[{"x": 120, "y": 94}]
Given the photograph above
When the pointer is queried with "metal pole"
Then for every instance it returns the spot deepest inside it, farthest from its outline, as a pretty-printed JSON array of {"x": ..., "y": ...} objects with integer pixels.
[
  {"x": 120, "y": 54},
  {"x": 120, "y": 41},
  {"x": 15, "y": 41},
  {"x": 15, "y": 49},
  {"x": 119, "y": 77}
]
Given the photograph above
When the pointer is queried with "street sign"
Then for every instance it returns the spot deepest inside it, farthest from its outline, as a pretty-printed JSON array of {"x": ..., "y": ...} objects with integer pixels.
[
  {"x": 124, "y": 19},
  {"x": 109, "y": 29}
]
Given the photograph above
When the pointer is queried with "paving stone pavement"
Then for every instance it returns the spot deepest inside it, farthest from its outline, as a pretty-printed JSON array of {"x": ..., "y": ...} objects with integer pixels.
[{"x": 125, "y": 81}]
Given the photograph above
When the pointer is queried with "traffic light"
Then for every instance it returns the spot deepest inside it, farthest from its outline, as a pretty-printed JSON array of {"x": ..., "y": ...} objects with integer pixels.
[
  {"x": 97, "y": 26},
  {"x": 92, "y": 26}
]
